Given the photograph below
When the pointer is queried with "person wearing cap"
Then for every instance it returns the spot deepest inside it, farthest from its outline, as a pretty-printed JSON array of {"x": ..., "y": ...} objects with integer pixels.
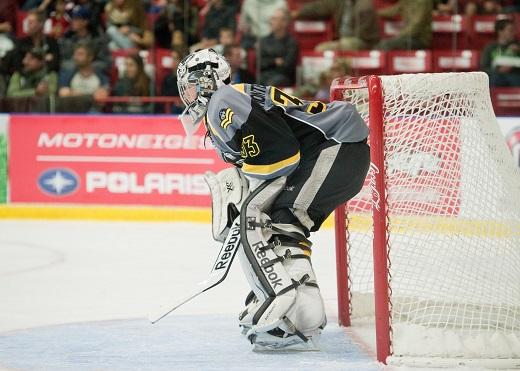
[
  {"x": 81, "y": 32},
  {"x": 34, "y": 79}
]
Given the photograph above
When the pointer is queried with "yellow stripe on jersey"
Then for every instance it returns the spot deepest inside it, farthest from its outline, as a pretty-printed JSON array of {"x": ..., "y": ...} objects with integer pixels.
[
  {"x": 239, "y": 87},
  {"x": 271, "y": 168}
]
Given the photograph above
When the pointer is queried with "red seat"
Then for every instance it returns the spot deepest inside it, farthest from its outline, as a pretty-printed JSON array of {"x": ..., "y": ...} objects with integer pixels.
[
  {"x": 365, "y": 62},
  {"x": 449, "y": 32},
  {"x": 390, "y": 27},
  {"x": 21, "y": 24},
  {"x": 482, "y": 29},
  {"x": 308, "y": 34},
  {"x": 456, "y": 60},
  {"x": 506, "y": 101},
  {"x": 409, "y": 61},
  {"x": 313, "y": 63},
  {"x": 163, "y": 67}
]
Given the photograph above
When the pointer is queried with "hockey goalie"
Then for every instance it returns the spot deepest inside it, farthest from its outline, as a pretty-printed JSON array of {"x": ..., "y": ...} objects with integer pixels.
[{"x": 294, "y": 162}]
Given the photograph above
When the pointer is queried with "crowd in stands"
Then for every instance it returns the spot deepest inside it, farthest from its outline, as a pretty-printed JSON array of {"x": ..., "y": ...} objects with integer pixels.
[{"x": 100, "y": 49}]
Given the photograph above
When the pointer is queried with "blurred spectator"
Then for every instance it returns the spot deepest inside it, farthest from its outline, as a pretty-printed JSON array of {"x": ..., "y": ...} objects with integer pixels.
[
  {"x": 179, "y": 42},
  {"x": 416, "y": 32},
  {"x": 234, "y": 54},
  {"x": 83, "y": 79},
  {"x": 340, "y": 68},
  {"x": 134, "y": 83},
  {"x": 81, "y": 31},
  {"x": 60, "y": 20},
  {"x": 217, "y": 14},
  {"x": 176, "y": 16},
  {"x": 169, "y": 85},
  {"x": 482, "y": 7},
  {"x": 501, "y": 58},
  {"x": 356, "y": 22},
  {"x": 226, "y": 38},
  {"x": 7, "y": 26},
  {"x": 278, "y": 52},
  {"x": 445, "y": 7},
  {"x": 34, "y": 79},
  {"x": 127, "y": 28},
  {"x": 36, "y": 39},
  {"x": 254, "y": 19},
  {"x": 95, "y": 8}
]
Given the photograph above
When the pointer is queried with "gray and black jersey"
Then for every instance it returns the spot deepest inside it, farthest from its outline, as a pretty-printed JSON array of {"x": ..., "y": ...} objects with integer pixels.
[{"x": 269, "y": 132}]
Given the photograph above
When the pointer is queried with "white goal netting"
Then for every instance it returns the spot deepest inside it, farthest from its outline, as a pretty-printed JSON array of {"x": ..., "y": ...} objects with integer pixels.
[{"x": 453, "y": 203}]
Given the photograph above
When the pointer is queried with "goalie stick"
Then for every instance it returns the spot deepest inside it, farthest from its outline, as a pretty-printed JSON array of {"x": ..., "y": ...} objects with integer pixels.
[{"x": 217, "y": 275}]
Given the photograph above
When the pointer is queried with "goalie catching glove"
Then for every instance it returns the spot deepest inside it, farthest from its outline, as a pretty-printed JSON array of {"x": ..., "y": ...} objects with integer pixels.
[{"x": 229, "y": 189}]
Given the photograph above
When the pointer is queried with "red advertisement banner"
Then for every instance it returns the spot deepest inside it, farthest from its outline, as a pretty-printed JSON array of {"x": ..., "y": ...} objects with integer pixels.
[{"x": 99, "y": 159}]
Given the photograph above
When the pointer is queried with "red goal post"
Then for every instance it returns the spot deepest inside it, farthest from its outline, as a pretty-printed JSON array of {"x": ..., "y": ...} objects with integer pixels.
[{"x": 441, "y": 215}]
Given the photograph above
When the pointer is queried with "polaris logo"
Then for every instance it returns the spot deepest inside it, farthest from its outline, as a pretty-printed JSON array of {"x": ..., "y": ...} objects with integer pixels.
[{"x": 58, "y": 182}]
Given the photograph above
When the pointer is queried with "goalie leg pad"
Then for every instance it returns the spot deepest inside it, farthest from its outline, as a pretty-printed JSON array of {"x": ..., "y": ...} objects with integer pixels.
[
  {"x": 287, "y": 300},
  {"x": 273, "y": 287}
]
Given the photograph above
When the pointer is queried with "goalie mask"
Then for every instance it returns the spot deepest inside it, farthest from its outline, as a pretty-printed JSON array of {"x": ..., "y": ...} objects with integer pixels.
[{"x": 199, "y": 75}]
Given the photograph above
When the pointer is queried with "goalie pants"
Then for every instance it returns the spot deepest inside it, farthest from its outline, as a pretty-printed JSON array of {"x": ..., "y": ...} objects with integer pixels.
[{"x": 324, "y": 179}]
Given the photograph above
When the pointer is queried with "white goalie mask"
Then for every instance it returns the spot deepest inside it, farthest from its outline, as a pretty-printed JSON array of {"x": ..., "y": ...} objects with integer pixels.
[{"x": 199, "y": 75}]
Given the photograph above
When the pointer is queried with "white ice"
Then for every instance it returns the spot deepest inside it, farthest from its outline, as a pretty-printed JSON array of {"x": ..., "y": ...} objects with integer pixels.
[{"x": 75, "y": 296}]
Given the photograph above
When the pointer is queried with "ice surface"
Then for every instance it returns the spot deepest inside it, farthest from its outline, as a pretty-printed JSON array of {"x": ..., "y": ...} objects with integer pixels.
[{"x": 75, "y": 295}]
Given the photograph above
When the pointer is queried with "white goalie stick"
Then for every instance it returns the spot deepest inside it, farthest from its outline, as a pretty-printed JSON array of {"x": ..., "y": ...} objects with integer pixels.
[{"x": 217, "y": 275}]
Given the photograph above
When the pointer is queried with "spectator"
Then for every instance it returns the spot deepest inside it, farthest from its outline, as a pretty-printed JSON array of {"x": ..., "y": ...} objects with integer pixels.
[
  {"x": 500, "y": 59},
  {"x": 254, "y": 19},
  {"x": 95, "y": 9},
  {"x": 60, "y": 20},
  {"x": 81, "y": 31},
  {"x": 416, "y": 32},
  {"x": 36, "y": 39},
  {"x": 176, "y": 17},
  {"x": 83, "y": 79},
  {"x": 127, "y": 25},
  {"x": 226, "y": 38},
  {"x": 278, "y": 52},
  {"x": 134, "y": 83},
  {"x": 169, "y": 85},
  {"x": 356, "y": 20},
  {"x": 340, "y": 68},
  {"x": 34, "y": 79},
  {"x": 482, "y": 7},
  {"x": 445, "y": 7},
  {"x": 234, "y": 54},
  {"x": 217, "y": 14},
  {"x": 7, "y": 27}
]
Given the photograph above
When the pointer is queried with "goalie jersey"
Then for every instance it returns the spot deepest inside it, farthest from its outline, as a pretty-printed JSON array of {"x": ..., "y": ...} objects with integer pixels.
[{"x": 269, "y": 132}]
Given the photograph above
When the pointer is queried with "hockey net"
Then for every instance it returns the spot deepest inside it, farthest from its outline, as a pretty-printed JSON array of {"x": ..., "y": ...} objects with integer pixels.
[{"x": 438, "y": 221}]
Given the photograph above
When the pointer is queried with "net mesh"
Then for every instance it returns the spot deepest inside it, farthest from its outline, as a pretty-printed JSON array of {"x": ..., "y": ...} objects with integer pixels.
[{"x": 453, "y": 201}]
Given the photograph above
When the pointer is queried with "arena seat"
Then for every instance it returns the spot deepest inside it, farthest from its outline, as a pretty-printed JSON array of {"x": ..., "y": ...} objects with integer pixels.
[
  {"x": 308, "y": 34},
  {"x": 366, "y": 62},
  {"x": 409, "y": 61},
  {"x": 163, "y": 67},
  {"x": 506, "y": 101},
  {"x": 455, "y": 60},
  {"x": 21, "y": 24},
  {"x": 449, "y": 32},
  {"x": 482, "y": 29}
]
